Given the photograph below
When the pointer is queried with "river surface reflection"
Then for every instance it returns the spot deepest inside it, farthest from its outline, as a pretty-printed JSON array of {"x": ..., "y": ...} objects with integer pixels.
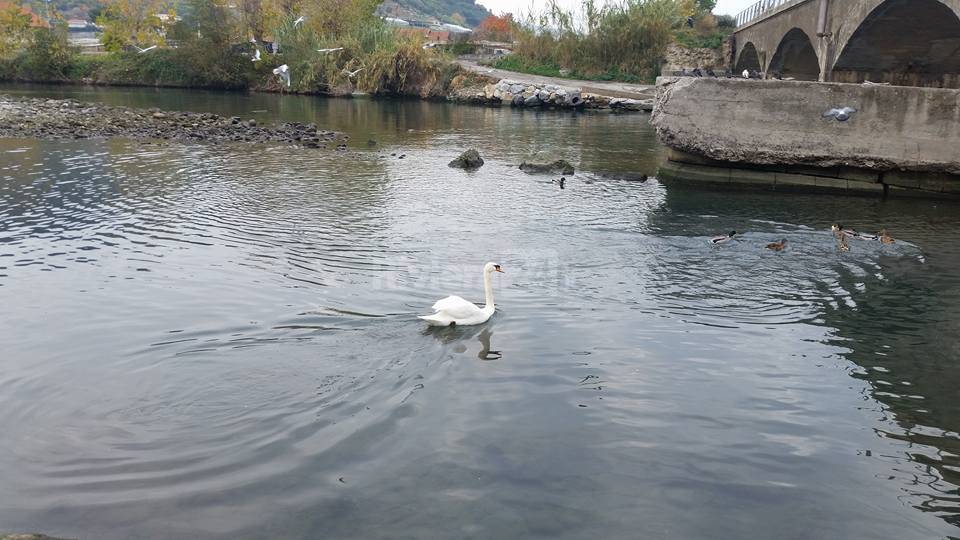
[{"x": 221, "y": 341}]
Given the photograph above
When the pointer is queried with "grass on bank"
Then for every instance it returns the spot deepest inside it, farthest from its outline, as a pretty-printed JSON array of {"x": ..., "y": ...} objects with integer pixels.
[{"x": 520, "y": 65}]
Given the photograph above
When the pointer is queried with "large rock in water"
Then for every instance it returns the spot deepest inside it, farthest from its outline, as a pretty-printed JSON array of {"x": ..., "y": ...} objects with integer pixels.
[
  {"x": 468, "y": 160},
  {"x": 542, "y": 163}
]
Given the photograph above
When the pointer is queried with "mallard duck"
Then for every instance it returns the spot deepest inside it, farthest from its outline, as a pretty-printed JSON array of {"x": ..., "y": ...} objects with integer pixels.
[
  {"x": 886, "y": 238},
  {"x": 839, "y": 230},
  {"x": 778, "y": 246},
  {"x": 723, "y": 238}
]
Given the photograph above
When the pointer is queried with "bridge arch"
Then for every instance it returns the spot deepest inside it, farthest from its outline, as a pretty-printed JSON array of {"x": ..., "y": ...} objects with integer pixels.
[
  {"x": 796, "y": 57},
  {"x": 904, "y": 42},
  {"x": 748, "y": 59}
]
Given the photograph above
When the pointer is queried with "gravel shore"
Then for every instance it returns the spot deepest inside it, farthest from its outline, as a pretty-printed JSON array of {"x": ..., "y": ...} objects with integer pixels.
[{"x": 71, "y": 119}]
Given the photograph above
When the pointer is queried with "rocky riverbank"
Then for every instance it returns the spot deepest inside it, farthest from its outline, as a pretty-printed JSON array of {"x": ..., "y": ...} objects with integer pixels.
[
  {"x": 517, "y": 93},
  {"x": 71, "y": 119}
]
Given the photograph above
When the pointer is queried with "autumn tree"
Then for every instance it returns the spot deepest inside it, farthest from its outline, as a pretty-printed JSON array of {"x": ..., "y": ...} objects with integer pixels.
[
  {"x": 14, "y": 28},
  {"x": 496, "y": 28}
]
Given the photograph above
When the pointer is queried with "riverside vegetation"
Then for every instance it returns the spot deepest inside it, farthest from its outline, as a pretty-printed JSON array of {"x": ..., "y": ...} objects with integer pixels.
[
  {"x": 214, "y": 46},
  {"x": 624, "y": 41},
  {"x": 210, "y": 44}
]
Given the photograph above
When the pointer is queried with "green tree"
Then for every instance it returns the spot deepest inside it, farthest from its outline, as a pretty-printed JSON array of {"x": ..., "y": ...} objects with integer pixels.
[
  {"x": 48, "y": 56},
  {"x": 128, "y": 22}
]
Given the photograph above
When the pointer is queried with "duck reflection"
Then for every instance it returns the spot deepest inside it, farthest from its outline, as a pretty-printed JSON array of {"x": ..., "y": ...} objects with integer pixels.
[{"x": 459, "y": 337}]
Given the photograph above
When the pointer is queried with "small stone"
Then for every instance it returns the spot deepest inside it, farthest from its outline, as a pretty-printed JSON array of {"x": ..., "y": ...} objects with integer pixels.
[{"x": 159, "y": 115}]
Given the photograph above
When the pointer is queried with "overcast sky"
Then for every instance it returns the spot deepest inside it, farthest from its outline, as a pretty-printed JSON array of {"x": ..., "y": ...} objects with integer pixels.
[{"x": 730, "y": 7}]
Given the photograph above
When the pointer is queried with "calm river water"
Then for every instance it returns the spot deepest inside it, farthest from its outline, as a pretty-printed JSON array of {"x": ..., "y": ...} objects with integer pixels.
[{"x": 221, "y": 341}]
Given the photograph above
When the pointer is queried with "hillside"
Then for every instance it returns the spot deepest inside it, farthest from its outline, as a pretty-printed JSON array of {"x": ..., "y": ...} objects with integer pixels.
[{"x": 443, "y": 10}]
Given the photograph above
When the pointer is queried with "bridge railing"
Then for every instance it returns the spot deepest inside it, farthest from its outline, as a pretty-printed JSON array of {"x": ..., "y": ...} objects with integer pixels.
[{"x": 757, "y": 10}]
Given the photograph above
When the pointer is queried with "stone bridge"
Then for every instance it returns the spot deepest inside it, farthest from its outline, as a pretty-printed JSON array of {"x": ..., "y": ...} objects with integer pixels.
[{"x": 903, "y": 42}]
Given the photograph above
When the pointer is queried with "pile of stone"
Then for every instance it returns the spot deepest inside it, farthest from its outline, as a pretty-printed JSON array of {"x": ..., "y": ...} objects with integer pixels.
[
  {"x": 71, "y": 119},
  {"x": 530, "y": 95}
]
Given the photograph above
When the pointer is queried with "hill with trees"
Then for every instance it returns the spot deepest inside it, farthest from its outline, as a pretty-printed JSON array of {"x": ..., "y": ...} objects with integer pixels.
[{"x": 462, "y": 12}]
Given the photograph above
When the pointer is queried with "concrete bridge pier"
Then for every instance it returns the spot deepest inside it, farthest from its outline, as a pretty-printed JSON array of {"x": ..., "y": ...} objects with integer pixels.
[{"x": 772, "y": 134}]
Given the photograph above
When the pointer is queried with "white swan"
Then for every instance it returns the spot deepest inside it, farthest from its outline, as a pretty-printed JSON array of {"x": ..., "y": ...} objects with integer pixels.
[{"x": 453, "y": 310}]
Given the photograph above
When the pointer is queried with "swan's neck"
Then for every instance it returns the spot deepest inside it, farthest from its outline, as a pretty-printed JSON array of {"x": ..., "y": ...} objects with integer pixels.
[{"x": 488, "y": 289}]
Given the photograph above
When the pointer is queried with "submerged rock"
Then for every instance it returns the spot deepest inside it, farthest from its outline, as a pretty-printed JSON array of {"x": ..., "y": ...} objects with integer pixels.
[
  {"x": 468, "y": 160},
  {"x": 544, "y": 163}
]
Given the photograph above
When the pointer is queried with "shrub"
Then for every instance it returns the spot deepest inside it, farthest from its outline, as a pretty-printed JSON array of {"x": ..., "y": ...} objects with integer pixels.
[
  {"x": 726, "y": 21},
  {"x": 48, "y": 55}
]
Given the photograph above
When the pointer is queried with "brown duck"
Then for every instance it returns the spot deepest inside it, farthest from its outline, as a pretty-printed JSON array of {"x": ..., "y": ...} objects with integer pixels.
[{"x": 778, "y": 246}]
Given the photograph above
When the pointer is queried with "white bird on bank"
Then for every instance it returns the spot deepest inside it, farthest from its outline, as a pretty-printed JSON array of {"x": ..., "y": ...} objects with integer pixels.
[
  {"x": 141, "y": 51},
  {"x": 256, "y": 55},
  {"x": 299, "y": 21},
  {"x": 284, "y": 73},
  {"x": 455, "y": 311},
  {"x": 746, "y": 74},
  {"x": 325, "y": 51}
]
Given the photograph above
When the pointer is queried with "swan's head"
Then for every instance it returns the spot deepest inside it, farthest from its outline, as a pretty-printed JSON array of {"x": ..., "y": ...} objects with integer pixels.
[{"x": 491, "y": 267}]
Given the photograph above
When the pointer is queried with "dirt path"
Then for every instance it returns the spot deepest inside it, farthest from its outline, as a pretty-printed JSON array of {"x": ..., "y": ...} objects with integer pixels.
[{"x": 604, "y": 88}]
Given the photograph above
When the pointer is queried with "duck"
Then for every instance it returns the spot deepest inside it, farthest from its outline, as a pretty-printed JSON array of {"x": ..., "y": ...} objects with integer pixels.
[
  {"x": 842, "y": 244},
  {"x": 723, "y": 238},
  {"x": 839, "y": 230},
  {"x": 778, "y": 246},
  {"x": 455, "y": 311},
  {"x": 886, "y": 238}
]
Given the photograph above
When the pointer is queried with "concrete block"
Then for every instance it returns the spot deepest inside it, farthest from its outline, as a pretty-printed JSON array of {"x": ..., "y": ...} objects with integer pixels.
[
  {"x": 796, "y": 179},
  {"x": 860, "y": 175},
  {"x": 686, "y": 157},
  {"x": 865, "y": 187},
  {"x": 902, "y": 179},
  {"x": 749, "y": 176},
  {"x": 830, "y": 172},
  {"x": 695, "y": 173},
  {"x": 781, "y": 123},
  {"x": 830, "y": 183}
]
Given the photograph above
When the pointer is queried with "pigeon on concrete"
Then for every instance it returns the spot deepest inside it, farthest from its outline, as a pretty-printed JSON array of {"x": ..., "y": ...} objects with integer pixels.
[{"x": 842, "y": 115}]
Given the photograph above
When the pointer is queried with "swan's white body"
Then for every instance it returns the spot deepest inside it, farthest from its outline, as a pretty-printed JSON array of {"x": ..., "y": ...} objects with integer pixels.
[{"x": 455, "y": 311}]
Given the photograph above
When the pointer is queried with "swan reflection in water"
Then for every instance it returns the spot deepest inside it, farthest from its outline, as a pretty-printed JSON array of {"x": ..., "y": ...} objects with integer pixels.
[{"x": 460, "y": 335}]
